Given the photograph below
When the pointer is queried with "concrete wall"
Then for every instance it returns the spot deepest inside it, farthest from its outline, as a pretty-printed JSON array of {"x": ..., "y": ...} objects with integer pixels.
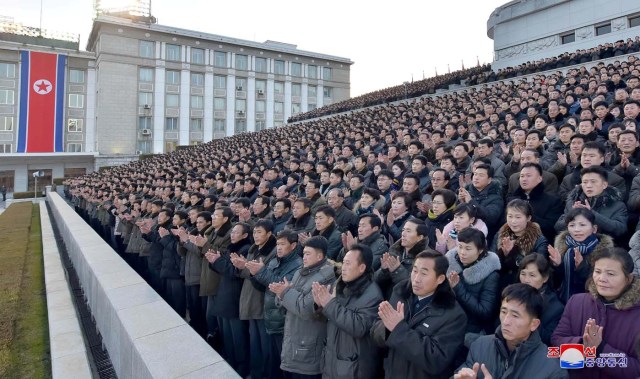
[{"x": 145, "y": 338}]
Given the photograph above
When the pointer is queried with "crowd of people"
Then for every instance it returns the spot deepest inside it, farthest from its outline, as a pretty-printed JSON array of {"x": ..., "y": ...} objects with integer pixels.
[
  {"x": 473, "y": 76},
  {"x": 461, "y": 235}
]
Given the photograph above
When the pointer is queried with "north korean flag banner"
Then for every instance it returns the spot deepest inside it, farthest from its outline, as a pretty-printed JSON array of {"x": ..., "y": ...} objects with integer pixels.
[{"x": 41, "y": 120}]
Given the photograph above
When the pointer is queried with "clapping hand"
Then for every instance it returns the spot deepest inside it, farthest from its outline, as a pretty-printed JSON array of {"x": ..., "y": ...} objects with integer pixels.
[
  {"x": 507, "y": 245},
  {"x": 592, "y": 336},
  {"x": 163, "y": 232},
  {"x": 577, "y": 256},
  {"x": 321, "y": 294},
  {"x": 454, "y": 279},
  {"x": 348, "y": 240},
  {"x": 472, "y": 373},
  {"x": 278, "y": 288},
  {"x": 391, "y": 317},
  {"x": 200, "y": 241},
  {"x": 238, "y": 261},
  {"x": 212, "y": 256},
  {"x": 254, "y": 266},
  {"x": 554, "y": 255}
]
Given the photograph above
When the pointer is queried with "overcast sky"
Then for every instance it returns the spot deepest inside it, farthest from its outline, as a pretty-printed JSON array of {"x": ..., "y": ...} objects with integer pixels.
[{"x": 389, "y": 41}]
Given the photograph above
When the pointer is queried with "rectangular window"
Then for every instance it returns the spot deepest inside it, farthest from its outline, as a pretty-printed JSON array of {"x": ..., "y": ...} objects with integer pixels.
[
  {"x": 260, "y": 125},
  {"x": 312, "y": 72},
  {"x": 278, "y": 107},
  {"x": 312, "y": 91},
  {"x": 144, "y": 123},
  {"x": 172, "y": 101},
  {"x": 173, "y": 52},
  {"x": 310, "y": 107},
  {"x": 278, "y": 88},
  {"x": 241, "y": 126},
  {"x": 296, "y": 69},
  {"x": 326, "y": 73},
  {"x": 145, "y": 99},
  {"x": 241, "y": 84},
  {"x": 170, "y": 146},
  {"x": 6, "y": 97},
  {"x": 6, "y": 124},
  {"x": 296, "y": 89},
  {"x": 6, "y": 148},
  {"x": 76, "y": 100},
  {"x": 220, "y": 59},
  {"x": 603, "y": 29},
  {"x": 76, "y": 76},
  {"x": 197, "y": 102},
  {"x": 568, "y": 38},
  {"x": 261, "y": 86},
  {"x": 261, "y": 106},
  {"x": 219, "y": 82},
  {"x": 261, "y": 64},
  {"x": 197, "y": 56},
  {"x": 634, "y": 21},
  {"x": 197, "y": 79},
  {"x": 278, "y": 67},
  {"x": 7, "y": 70},
  {"x": 171, "y": 124},
  {"x": 196, "y": 124},
  {"x": 145, "y": 74},
  {"x": 295, "y": 108},
  {"x": 147, "y": 49},
  {"x": 241, "y": 105},
  {"x": 144, "y": 146},
  {"x": 242, "y": 62},
  {"x": 219, "y": 104},
  {"x": 172, "y": 77},
  {"x": 328, "y": 92},
  {"x": 74, "y": 125},
  {"x": 74, "y": 148},
  {"x": 218, "y": 125}
]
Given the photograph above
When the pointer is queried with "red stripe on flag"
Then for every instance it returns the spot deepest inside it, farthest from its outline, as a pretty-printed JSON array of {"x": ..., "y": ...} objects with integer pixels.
[{"x": 42, "y": 102}]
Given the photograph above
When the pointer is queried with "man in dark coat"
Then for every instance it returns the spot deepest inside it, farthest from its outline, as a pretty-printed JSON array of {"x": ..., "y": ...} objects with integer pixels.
[
  {"x": 152, "y": 235},
  {"x": 486, "y": 194},
  {"x": 422, "y": 325},
  {"x": 346, "y": 220},
  {"x": 369, "y": 234}
]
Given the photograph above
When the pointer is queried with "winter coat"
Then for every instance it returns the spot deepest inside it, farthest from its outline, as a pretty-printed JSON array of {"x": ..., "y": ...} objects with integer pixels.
[
  {"x": 275, "y": 270},
  {"x": 394, "y": 231},
  {"x": 583, "y": 271},
  {"x": 634, "y": 244},
  {"x": 439, "y": 223},
  {"x": 305, "y": 328},
  {"x": 424, "y": 344},
  {"x": 572, "y": 180},
  {"x": 218, "y": 240},
  {"x": 304, "y": 224},
  {"x": 192, "y": 257},
  {"x": 479, "y": 224},
  {"x": 350, "y": 352},
  {"x": 620, "y": 323},
  {"x": 387, "y": 279},
  {"x": 552, "y": 309},
  {"x": 547, "y": 208},
  {"x": 280, "y": 223},
  {"x": 610, "y": 211},
  {"x": 528, "y": 360},
  {"x": 252, "y": 294},
  {"x": 378, "y": 245},
  {"x": 227, "y": 301},
  {"x": 171, "y": 260},
  {"x": 346, "y": 220},
  {"x": 477, "y": 291},
  {"x": 155, "y": 259},
  {"x": 491, "y": 202},
  {"x": 549, "y": 180},
  {"x": 334, "y": 237}
]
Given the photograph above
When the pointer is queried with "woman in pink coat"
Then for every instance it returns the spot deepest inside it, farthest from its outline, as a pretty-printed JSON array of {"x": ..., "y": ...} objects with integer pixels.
[{"x": 465, "y": 216}]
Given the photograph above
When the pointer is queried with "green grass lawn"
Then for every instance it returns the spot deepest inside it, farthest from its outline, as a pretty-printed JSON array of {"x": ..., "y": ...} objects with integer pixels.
[{"x": 24, "y": 333}]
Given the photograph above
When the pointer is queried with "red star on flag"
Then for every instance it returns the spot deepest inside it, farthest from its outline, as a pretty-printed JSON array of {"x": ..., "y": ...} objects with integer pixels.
[{"x": 42, "y": 86}]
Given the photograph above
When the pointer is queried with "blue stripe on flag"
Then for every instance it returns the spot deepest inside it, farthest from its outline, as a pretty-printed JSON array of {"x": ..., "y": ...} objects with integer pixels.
[
  {"x": 24, "y": 102},
  {"x": 59, "y": 117}
]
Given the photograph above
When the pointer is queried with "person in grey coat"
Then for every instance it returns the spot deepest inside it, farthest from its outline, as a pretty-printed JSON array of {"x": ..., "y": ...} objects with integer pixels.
[
  {"x": 305, "y": 328},
  {"x": 350, "y": 308},
  {"x": 369, "y": 227}
]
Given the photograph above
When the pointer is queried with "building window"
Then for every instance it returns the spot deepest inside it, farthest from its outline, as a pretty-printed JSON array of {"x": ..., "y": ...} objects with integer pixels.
[
  {"x": 261, "y": 87},
  {"x": 173, "y": 101},
  {"x": 197, "y": 102},
  {"x": 76, "y": 76},
  {"x": 242, "y": 62},
  {"x": 241, "y": 105},
  {"x": 603, "y": 29},
  {"x": 312, "y": 72},
  {"x": 74, "y": 125},
  {"x": 172, "y": 77},
  {"x": 74, "y": 148},
  {"x": 312, "y": 91},
  {"x": 261, "y": 106},
  {"x": 197, "y": 80},
  {"x": 147, "y": 49},
  {"x": 196, "y": 124},
  {"x": 278, "y": 88},
  {"x": 197, "y": 56},
  {"x": 634, "y": 21},
  {"x": 310, "y": 107},
  {"x": 241, "y": 84},
  {"x": 145, "y": 99},
  {"x": 220, "y": 59},
  {"x": 6, "y": 124},
  {"x": 219, "y": 104},
  {"x": 219, "y": 82},
  {"x": 171, "y": 124},
  {"x": 76, "y": 100},
  {"x": 173, "y": 53},
  {"x": 296, "y": 89},
  {"x": 144, "y": 146},
  {"x": 241, "y": 126},
  {"x": 6, "y": 148},
  {"x": 296, "y": 69},
  {"x": 170, "y": 146},
  {"x": 144, "y": 123},
  {"x": 261, "y": 64},
  {"x": 278, "y": 67},
  {"x": 328, "y": 92},
  {"x": 261, "y": 125},
  {"x": 326, "y": 73},
  {"x": 218, "y": 125},
  {"x": 145, "y": 74},
  {"x": 6, "y": 97},
  {"x": 278, "y": 107},
  {"x": 295, "y": 108},
  {"x": 568, "y": 38},
  {"x": 7, "y": 70},
  {"x": 277, "y": 124}
]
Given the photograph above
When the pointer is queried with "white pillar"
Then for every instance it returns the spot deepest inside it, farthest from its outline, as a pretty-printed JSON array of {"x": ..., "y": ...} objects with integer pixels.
[
  {"x": 185, "y": 106},
  {"x": 320, "y": 94},
  {"x": 287, "y": 98},
  {"x": 231, "y": 105},
  {"x": 270, "y": 101},
  {"x": 158, "y": 110},
  {"x": 90, "y": 120},
  {"x": 207, "y": 128}
]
